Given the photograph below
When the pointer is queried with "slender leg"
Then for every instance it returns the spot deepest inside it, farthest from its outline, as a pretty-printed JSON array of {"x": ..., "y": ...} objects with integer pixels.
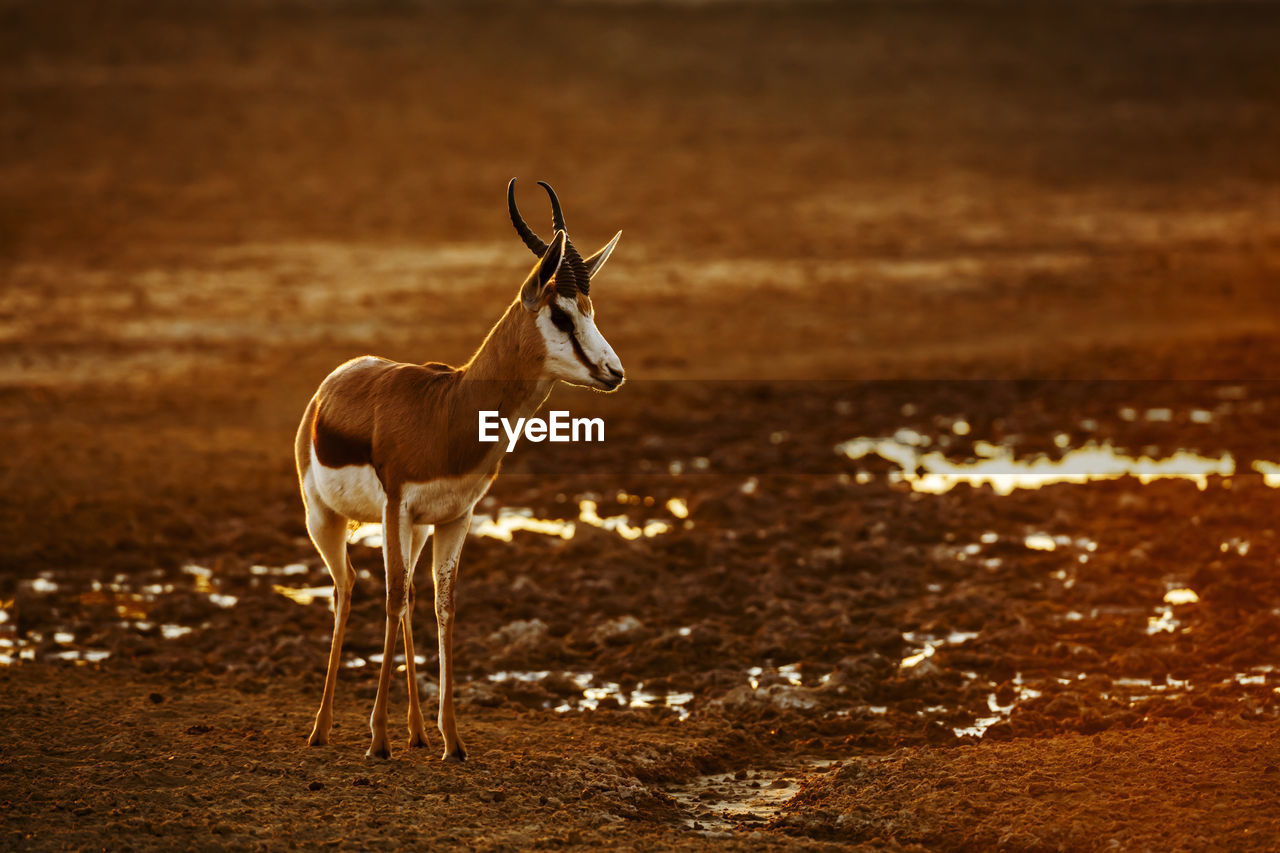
[
  {"x": 397, "y": 535},
  {"x": 445, "y": 550},
  {"x": 417, "y": 732},
  {"x": 329, "y": 533}
]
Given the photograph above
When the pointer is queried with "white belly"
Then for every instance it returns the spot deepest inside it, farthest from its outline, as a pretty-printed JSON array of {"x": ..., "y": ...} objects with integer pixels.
[{"x": 354, "y": 491}]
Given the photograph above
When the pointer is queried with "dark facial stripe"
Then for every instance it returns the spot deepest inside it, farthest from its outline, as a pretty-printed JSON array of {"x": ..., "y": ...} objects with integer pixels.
[
  {"x": 561, "y": 319},
  {"x": 582, "y": 356}
]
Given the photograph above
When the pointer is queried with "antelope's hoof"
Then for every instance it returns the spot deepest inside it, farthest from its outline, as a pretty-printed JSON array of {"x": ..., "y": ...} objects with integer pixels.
[
  {"x": 457, "y": 755},
  {"x": 318, "y": 738},
  {"x": 378, "y": 751},
  {"x": 418, "y": 741}
]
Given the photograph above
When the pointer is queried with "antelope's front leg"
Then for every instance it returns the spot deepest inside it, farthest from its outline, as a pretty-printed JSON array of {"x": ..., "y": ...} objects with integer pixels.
[
  {"x": 397, "y": 541},
  {"x": 417, "y": 732},
  {"x": 446, "y": 547}
]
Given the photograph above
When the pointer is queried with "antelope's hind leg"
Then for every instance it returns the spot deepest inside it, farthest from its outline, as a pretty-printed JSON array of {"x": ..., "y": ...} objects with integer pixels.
[
  {"x": 328, "y": 531},
  {"x": 417, "y": 731}
]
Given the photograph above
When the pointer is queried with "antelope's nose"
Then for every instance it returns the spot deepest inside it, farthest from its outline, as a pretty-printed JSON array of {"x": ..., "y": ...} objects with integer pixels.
[{"x": 611, "y": 377}]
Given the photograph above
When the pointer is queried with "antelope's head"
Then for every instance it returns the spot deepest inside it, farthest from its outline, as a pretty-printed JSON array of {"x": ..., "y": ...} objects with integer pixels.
[{"x": 557, "y": 294}]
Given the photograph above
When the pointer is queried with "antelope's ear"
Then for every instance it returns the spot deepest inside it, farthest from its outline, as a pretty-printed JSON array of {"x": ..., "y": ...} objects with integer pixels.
[
  {"x": 542, "y": 273},
  {"x": 596, "y": 261}
]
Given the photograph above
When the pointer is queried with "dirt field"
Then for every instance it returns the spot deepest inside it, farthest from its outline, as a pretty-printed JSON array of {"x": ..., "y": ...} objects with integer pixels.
[{"x": 871, "y": 253}]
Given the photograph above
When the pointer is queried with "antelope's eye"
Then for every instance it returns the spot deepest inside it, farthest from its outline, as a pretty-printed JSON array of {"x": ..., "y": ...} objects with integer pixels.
[{"x": 561, "y": 319}]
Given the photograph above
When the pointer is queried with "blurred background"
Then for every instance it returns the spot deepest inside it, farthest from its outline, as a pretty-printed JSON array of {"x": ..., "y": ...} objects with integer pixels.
[{"x": 208, "y": 205}]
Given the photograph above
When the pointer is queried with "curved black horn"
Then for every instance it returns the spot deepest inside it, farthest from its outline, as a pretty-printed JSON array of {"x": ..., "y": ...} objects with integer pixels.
[
  {"x": 532, "y": 240},
  {"x": 573, "y": 260},
  {"x": 557, "y": 215}
]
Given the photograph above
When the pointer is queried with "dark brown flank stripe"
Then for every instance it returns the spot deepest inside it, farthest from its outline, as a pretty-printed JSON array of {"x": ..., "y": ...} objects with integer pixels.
[{"x": 335, "y": 450}]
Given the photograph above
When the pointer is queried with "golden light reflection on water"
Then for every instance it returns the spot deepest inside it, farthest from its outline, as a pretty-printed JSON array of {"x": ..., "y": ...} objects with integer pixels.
[
  {"x": 1270, "y": 472},
  {"x": 619, "y": 523},
  {"x": 1040, "y": 542},
  {"x": 202, "y": 576},
  {"x": 512, "y": 520},
  {"x": 304, "y": 595},
  {"x": 998, "y": 467},
  {"x": 1181, "y": 595},
  {"x": 503, "y": 526}
]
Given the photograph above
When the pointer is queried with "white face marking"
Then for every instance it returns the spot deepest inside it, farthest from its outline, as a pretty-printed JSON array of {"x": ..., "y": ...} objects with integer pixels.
[{"x": 605, "y": 371}]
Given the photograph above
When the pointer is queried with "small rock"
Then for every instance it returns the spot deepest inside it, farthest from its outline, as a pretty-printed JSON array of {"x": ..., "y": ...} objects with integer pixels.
[
  {"x": 156, "y": 698},
  {"x": 316, "y": 786},
  {"x": 523, "y": 633},
  {"x": 618, "y": 631},
  {"x": 481, "y": 693},
  {"x": 199, "y": 729}
]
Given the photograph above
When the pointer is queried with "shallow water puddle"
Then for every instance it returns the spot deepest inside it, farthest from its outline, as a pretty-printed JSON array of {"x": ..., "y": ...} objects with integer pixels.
[
  {"x": 135, "y": 603},
  {"x": 1151, "y": 685},
  {"x": 787, "y": 673},
  {"x": 1236, "y": 545},
  {"x": 305, "y": 595},
  {"x": 132, "y": 602},
  {"x": 1164, "y": 620},
  {"x": 511, "y": 520},
  {"x": 925, "y": 645},
  {"x": 612, "y": 692},
  {"x": 1168, "y": 685},
  {"x": 1160, "y": 619},
  {"x": 593, "y": 693},
  {"x": 279, "y": 571},
  {"x": 205, "y": 586},
  {"x": 14, "y": 651},
  {"x": 1270, "y": 472},
  {"x": 998, "y": 711},
  {"x": 507, "y": 522},
  {"x": 998, "y": 467},
  {"x": 721, "y": 802}
]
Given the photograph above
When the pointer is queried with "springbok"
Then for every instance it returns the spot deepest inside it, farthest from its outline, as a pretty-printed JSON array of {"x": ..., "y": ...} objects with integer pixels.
[{"x": 398, "y": 443}]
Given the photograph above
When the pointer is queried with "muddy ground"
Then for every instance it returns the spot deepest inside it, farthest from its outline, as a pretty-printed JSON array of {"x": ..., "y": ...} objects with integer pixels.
[{"x": 960, "y": 233}]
